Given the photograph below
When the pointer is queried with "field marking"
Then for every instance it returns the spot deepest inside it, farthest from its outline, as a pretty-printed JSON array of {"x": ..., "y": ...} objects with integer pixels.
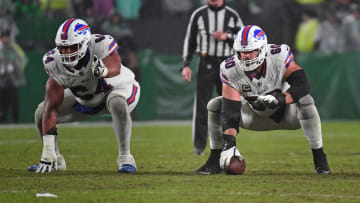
[
  {"x": 6, "y": 142},
  {"x": 11, "y": 191},
  {"x": 323, "y": 195},
  {"x": 238, "y": 193},
  {"x": 141, "y": 124},
  {"x": 272, "y": 194},
  {"x": 104, "y": 124}
]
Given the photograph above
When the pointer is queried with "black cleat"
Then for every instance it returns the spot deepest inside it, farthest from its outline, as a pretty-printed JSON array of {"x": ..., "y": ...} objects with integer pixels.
[
  {"x": 199, "y": 152},
  {"x": 320, "y": 161},
  {"x": 212, "y": 165},
  {"x": 208, "y": 169},
  {"x": 323, "y": 170}
]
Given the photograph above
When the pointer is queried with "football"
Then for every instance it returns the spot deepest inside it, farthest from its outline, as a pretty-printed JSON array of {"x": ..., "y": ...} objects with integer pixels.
[{"x": 236, "y": 167}]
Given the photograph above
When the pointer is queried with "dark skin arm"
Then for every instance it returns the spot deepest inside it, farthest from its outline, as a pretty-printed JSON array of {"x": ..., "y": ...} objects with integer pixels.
[
  {"x": 53, "y": 100},
  {"x": 113, "y": 64},
  {"x": 292, "y": 67}
]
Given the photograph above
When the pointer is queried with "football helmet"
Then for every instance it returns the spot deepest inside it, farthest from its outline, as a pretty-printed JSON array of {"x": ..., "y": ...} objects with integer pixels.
[
  {"x": 73, "y": 34},
  {"x": 250, "y": 38}
]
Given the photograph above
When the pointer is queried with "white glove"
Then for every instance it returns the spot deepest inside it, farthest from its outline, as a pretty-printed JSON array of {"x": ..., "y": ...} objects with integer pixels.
[
  {"x": 98, "y": 68},
  {"x": 268, "y": 100},
  {"x": 48, "y": 161},
  {"x": 226, "y": 155}
]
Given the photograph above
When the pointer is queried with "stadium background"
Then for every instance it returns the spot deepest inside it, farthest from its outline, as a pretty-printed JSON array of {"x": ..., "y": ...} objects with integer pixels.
[{"x": 159, "y": 37}]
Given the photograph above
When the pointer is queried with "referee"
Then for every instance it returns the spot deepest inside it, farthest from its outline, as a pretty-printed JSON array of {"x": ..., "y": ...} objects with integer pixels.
[{"x": 210, "y": 33}]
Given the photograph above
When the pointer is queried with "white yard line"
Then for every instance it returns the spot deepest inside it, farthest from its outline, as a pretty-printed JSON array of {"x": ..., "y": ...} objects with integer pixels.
[
  {"x": 238, "y": 193},
  {"x": 104, "y": 124}
]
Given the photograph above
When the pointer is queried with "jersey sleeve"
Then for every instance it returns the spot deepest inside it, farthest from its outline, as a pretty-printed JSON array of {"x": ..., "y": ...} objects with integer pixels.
[
  {"x": 105, "y": 45},
  {"x": 286, "y": 56},
  {"x": 227, "y": 68},
  {"x": 223, "y": 77},
  {"x": 49, "y": 64},
  {"x": 282, "y": 56}
]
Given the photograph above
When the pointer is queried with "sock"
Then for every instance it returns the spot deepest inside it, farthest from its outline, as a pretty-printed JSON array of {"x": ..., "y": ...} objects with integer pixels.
[{"x": 122, "y": 123}]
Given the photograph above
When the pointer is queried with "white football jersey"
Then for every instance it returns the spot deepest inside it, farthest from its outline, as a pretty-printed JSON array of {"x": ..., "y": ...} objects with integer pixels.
[
  {"x": 87, "y": 89},
  {"x": 277, "y": 60}
]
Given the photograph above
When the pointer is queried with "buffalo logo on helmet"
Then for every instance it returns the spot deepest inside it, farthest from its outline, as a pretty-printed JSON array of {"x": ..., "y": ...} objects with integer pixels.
[
  {"x": 259, "y": 34},
  {"x": 81, "y": 29}
]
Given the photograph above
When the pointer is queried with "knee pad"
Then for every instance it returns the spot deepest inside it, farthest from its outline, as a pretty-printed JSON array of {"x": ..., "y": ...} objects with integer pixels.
[
  {"x": 306, "y": 100},
  {"x": 214, "y": 105},
  {"x": 307, "y": 108}
]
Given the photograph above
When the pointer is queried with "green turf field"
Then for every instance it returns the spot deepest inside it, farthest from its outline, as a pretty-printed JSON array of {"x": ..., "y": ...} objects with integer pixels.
[{"x": 279, "y": 167}]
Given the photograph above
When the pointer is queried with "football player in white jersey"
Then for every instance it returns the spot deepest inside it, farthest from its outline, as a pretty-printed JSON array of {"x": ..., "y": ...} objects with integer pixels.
[
  {"x": 263, "y": 89},
  {"x": 86, "y": 78}
]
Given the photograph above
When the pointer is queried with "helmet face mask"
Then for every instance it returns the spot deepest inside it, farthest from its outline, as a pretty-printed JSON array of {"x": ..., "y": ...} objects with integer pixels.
[
  {"x": 69, "y": 54},
  {"x": 249, "y": 39},
  {"x": 72, "y": 40}
]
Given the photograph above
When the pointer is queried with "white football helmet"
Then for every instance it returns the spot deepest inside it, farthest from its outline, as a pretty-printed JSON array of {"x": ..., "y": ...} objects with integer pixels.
[
  {"x": 250, "y": 38},
  {"x": 73, "y": 33}
]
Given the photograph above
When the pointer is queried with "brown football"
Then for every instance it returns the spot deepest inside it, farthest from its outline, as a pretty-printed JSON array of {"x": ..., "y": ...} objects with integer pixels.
[{"x": 236, "y": 167}]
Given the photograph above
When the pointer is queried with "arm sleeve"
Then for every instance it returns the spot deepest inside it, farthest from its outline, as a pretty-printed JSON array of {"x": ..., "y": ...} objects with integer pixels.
[{"x": 299, "y": 85}]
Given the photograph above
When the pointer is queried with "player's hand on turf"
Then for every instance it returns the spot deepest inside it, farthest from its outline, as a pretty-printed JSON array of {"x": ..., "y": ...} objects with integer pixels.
[
  {"x": 98, "y": 68},
  {"x": 46, "y": 166},
  {"x": 227, "y": 154},
  {"x": 186, "y": 73},
  {"x": 48, "y": 161}
]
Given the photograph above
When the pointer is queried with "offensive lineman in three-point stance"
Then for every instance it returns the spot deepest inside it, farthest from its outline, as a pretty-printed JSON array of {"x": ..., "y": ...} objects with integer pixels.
[
  {"x": 263, "y": 89},
  {"x": 86, "y": 79}
]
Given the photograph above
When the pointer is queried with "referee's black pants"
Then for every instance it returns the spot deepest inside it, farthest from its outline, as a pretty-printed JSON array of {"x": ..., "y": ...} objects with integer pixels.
[{"x": 207, "y": 78}]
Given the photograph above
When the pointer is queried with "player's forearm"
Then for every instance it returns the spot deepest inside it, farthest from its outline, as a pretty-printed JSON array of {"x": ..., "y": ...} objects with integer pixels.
[
  {"x": 113, "y": 65},
  {"x": 113, "y": 70},
  {"x": 48, "y": 121}
]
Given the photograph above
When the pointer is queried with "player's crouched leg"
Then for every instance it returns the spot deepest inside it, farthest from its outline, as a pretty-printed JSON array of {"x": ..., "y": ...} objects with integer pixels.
[
  {"x": 311, "y": 125},
  {"x": 120, "y": 113},
  {"x": 212, "y": 165}
]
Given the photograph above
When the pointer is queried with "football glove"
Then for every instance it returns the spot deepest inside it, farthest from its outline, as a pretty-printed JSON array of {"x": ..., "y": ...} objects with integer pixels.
[
  {"x": 98, "y": 68},
  {"x": 48, "y": 161},
  {"x": 229, "y": 150},
  {"x": 226, "y": 155},
  {"x": 272, "y": 100}
]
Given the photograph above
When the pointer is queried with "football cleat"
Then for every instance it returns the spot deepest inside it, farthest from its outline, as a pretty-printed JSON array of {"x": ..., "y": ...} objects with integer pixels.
[
  {"x": 127, "y": 168},
  {"x": 323, "y": 170},
  {"x": 322, "y": 166},
  {"x": 320, "y": 162},
  {"x": 212, "y": 165},
  {"x": 126, "y": 164},
  {"x": 198, "y": 152},
  {"x": 61, "y": 164},
  {"x": 33, "y": 168},
  {"x": 209, "y": 169}
]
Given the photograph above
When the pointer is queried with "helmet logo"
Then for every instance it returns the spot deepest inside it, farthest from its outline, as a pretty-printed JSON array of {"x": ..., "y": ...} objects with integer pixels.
[
  {"x": 81, "y": 29},
  {"x": 259, "y": 34}
]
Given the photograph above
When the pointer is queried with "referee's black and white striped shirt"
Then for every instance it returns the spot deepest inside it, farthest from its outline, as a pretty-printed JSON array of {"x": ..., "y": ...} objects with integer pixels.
[{"x": 203, "y": 22}]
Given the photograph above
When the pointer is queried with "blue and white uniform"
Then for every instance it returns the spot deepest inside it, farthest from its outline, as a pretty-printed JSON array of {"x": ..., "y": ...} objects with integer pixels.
[
  {"x": 277, "y": 60},
  {"x": 83, "y": 91}
]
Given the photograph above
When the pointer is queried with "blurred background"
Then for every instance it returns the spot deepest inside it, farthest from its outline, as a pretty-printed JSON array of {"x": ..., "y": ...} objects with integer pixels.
[{"x": 324, "y": 36}]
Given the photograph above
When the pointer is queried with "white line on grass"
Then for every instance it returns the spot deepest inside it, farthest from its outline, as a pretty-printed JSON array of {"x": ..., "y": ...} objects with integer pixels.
[
  {"x": 103, "y": 124},
  {"x": 7, "y": 142},
  {"x": 273, "y": 194}
]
